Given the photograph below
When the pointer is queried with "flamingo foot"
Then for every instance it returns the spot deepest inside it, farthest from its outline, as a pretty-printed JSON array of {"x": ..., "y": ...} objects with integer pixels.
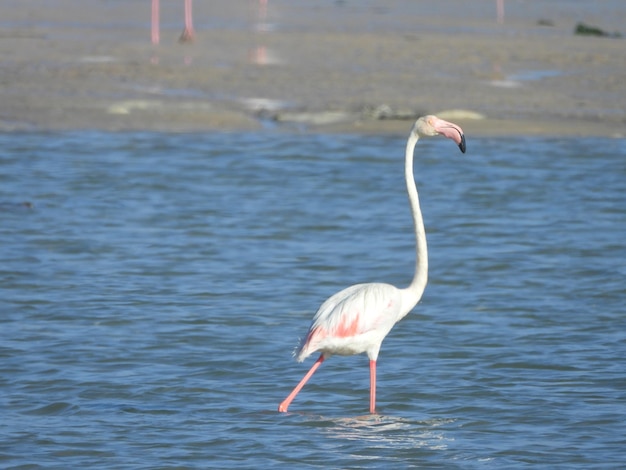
[{"x": 187, "y": 36}]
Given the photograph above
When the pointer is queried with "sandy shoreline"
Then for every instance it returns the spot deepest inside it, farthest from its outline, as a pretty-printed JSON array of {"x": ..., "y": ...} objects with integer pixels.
[{"x": 320, "y": 66}]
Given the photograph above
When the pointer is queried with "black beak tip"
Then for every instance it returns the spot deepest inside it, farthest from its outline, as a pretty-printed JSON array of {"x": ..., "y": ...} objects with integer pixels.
[{"x": 462, "y": 144}]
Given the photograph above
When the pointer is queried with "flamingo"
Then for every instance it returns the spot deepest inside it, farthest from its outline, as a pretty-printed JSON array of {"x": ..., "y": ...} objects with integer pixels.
[
  {"x": 500, "y": 11},
  {"x": 187, "y": 34},
  {"x": 154, "y": 31},
  {"x": 357, "y": 319}
]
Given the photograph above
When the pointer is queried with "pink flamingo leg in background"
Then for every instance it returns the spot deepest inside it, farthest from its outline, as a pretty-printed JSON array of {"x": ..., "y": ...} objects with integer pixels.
[
  {"x": 188, "y": 32},
  {"x": 155, "y": 22}
]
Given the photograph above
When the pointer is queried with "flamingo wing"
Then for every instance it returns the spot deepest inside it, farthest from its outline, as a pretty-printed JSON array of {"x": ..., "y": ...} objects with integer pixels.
[{"x": 350, "y": 313}]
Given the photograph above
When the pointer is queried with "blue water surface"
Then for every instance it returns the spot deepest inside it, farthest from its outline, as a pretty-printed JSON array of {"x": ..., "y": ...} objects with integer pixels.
[{"x": 153, "y": 287}]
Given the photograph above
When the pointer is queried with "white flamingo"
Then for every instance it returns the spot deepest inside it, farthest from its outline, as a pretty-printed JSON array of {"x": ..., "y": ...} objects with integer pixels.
[{"x": 357, "y": 319}]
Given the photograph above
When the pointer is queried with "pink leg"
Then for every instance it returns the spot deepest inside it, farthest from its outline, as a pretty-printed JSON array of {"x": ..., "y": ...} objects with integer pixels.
[
  {"x": 155, "y": 21},
  {"x": 372, "y": 386},
  {"x": 262, "y": 10},
  {"x": 188, "y": 32},
  {"x": 287, "y": 401}
]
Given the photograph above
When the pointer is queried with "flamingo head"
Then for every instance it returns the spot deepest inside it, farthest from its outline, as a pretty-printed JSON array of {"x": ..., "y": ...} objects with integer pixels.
[{"x": 432, "y": 125}]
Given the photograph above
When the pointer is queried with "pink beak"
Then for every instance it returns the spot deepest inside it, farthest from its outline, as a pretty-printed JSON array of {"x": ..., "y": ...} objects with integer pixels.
[{"x": 451, "y": 131}]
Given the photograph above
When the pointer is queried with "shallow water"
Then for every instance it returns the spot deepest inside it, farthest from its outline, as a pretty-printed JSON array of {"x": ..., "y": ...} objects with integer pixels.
[{"x": 152, "y": 293}]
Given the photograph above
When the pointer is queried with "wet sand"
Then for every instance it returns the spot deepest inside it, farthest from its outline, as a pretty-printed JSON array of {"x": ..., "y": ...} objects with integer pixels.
[{"x": 330, "y": 66}]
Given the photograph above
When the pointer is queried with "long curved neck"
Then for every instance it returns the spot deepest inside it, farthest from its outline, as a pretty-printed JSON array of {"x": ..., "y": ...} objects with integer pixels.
[{"x": 415, "y": 290}]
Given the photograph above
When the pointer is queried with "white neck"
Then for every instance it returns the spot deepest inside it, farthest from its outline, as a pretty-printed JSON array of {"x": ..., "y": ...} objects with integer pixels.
[{"x": 414, "y": 291}]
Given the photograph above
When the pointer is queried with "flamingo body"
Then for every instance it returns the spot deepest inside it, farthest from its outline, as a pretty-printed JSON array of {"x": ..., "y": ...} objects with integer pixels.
[
  {"x": 353, "y": 321},
  {"x": 357, "y": 319}
]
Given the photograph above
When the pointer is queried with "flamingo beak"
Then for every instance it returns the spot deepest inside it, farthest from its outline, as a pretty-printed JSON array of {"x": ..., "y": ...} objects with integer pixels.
[
  {"x": 449, "y": 130},
  {"x": 462, "y": 144}
]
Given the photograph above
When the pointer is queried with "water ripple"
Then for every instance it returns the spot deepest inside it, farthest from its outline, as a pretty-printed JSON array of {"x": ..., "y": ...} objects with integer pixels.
[{"x": 154, "y": 287}]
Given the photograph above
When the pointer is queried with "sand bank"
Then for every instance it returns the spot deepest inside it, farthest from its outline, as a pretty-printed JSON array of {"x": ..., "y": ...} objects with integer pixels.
[{"x": 320, "y": 66}]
